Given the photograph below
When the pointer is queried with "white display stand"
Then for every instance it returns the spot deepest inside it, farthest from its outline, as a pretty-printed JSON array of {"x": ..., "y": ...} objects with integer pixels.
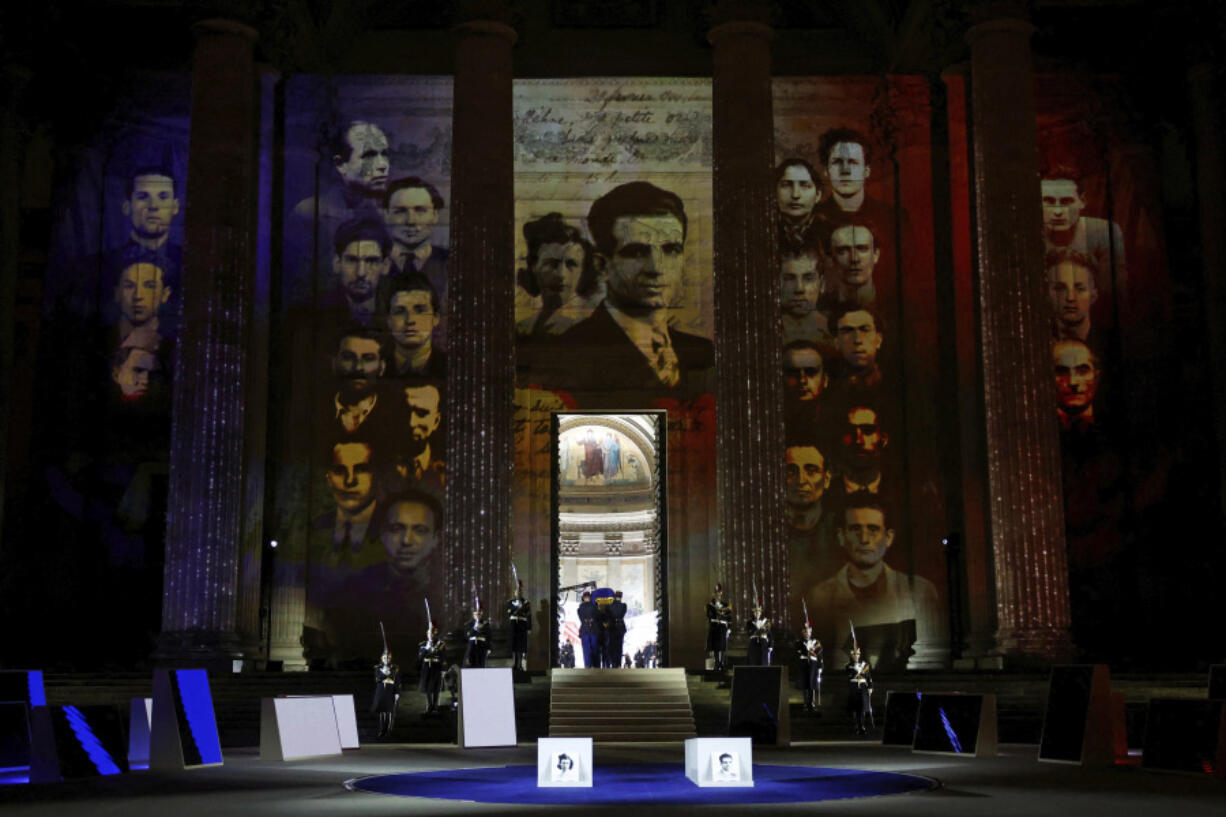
[
  {"x": 346, "y": 721},
  {"x": 707, "y": 763},
  {"x": 298, "y": 727},
  {"x": 140, "y": 721},
  {"x": 487, "y": 708},
  {"x": 183, "y": 733},
  {"x": 552, "y": 771}
]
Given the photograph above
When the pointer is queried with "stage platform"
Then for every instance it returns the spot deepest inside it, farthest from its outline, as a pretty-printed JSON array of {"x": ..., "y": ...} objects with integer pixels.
[{"x": 1012, "y": 784}]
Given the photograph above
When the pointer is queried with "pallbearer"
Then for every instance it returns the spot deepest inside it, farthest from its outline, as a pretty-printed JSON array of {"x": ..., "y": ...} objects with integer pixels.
[
  {"x": 588, "y": 634},
  {"x": 617, "y": 630},
  {"x": 519, "y": 621},
  {"x": 758, "y": 628},
  {"x": 719, "y": 624},
  {"x": 387, "y": 689},
  {"x": 431, "y": 655},
  {"x": 478, "y": 632},
  {"x": 859, "y": 686},
  {"x": 809, "y": 654}
]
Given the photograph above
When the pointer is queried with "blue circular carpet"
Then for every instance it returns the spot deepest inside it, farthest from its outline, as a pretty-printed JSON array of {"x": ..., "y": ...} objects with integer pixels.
[{"x": 660, "y": 783}]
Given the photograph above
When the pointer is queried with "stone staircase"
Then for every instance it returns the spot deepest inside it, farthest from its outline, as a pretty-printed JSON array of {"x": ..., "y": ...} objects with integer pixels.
[{"x": 621, "y": 705}]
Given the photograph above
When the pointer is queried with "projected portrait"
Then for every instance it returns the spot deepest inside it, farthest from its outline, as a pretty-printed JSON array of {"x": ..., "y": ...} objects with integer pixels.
[
  {"x": 360, "y": 261},
  {"x": 806, "y": 378},
  {"x": 141, "y": 293},
  {"x": 356, "y": 404},
  {"x": 801, "y": 284},
  {"x": 131, "y": 367},
  {"x": 411, "y": 210},
  {"x": 561, "y": 272},
  {"x": 854, "y": 250},
  {"x": 418, "y": 448},
  {"x": 798, "y": 189},
  {"x": 1073, "y": 289},
  {"x": 361, "y": 162},
  {"x": 627, "y": 343},
  {"x": 351, "y": 478},
  {"x": 891, "y": 610},
  {"x": 1076, "y": 370},
  {"x": 859, "y": 333},
  {"x": 413, "y": 311}
]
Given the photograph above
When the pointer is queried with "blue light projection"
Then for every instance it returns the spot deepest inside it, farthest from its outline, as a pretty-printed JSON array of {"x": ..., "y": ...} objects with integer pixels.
[
  {"x": 949, "y": 730},
  {"x": 198, "y": 709},
  {"x": 98, "y": 755},
  {"x": 34, "y": 685}
]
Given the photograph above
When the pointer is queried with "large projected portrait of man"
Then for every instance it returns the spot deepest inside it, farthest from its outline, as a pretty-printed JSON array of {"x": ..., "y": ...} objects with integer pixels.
[
  {"x": 1073, "y": 289},
  {"x": 412, "y": 318},
  {"x": 628, "y": 344},
  {"x": 854, "y": 251},
  {"x": 418, "y": 450},
  {"x": 361, "y": 163},
  {"x": 351, "y": 480},
  {"x": 356, "y": 405},
  {"x": 1076, "y": 370},
  {"x": 891, "y": 609},
  {"x": 140, "y": 294},
  {"x": 805, "y": 380},
  {"x": 859, "y": 334},
  {"x": 808, "y": 521}
]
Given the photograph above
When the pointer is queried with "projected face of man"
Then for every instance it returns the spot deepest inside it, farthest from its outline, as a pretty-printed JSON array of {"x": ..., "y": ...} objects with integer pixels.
[
  {"x": 132, "y": 376},
  {"x": 725, "y": 763},
  {"x": 411, "y": 318},
  {"x": 557, "y": 271},
  {"x": 804, "y": 376},
  {"x": 359, "y": 364},
  {"x": 1062, "y": 204},
  {"x": 858, "y": 338},
  {"x": 1071, "y": 288},
  {"x": 140, "y": 293},
  {"x": 409, "y": 536},
  {"x": 800, "y": 285},
  {"x": 648, "y": 257},
  {"x": 864, "y": 537},
  {"x": 152, "y": 205},
  {"x": 1076, "y": 376},
  {"x": 855, "y": 255},
  {"x": 365, "y": 169},
  {"x": 360, "y": 266},
  {"x": 847, "y": 169},
  {"x": 411, "y": 216},
  {"x": 424, "y": 414},
  {"x": 805, "y": 475},
  {"x": 863, "y": 441},
  {"x": 351, "y": 476},
  {"x": 797, "y": 192}
]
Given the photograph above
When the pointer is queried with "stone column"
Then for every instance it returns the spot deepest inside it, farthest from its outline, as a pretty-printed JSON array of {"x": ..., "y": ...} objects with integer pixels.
[
  {"x": 204, "y": 524},
  {"x": 1205, "y": 84},
  {"x": 481, "y": 340},
  {"x": 1026, "y": 505},
  {"x": 748, "y": 333}
]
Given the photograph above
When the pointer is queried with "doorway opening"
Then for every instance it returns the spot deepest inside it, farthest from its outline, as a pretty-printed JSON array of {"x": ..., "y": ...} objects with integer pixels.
[{"x": 609, "y": 527}]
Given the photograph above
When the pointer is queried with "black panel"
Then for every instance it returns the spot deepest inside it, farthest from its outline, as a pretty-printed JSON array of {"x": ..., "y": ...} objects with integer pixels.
[
  {"x": 901, "y": 710},
  {"x": 948, "y": 723},
  {"x": 1217, "y": 682},
  {"x": 1068, "y": 706},
  {"x": 1182, "y": 735},
  {"x": 14, "y": 735},
  {"x": 755, "y": 703}
]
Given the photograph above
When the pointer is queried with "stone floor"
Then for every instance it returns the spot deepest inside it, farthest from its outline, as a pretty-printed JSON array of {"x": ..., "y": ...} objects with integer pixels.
[{"x": 1013, "y": 783}]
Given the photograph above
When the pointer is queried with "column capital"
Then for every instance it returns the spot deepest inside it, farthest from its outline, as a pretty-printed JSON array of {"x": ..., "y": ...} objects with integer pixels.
[
  {"x": 739, "y": 29},
  {"x": 222, "y": 25},
  {"x": 998, "y": 25},
  {"x": 486, "y": 28}
]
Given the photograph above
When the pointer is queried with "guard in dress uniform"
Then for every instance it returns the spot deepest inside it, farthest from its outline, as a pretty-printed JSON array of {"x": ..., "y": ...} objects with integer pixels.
[
  {"x": 387, "y": 692},
  {"x": 859, "y": 690},
  {"x": 566, "y": 657},
  {"x": 758, "y": 628},
  {"x": 431, "y": 655},
  {"x": 809, "y": 654},
  {"x": 616, "y": 632},
  {"x": 588, "y": 634},
  {"x": 478, "y": 632},
  {"x": 519, "y": 623},
  {"x": 719, "y": 626}
]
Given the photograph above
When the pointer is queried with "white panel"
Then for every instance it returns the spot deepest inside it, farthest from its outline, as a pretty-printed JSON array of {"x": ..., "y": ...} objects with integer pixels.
[
  {"x": 552, "y": 771},
  {"x": 706, "y": 764},
  {"x": 346, "y": 721},
  {"x": 487, "y": 708},
  {"x": 302, "y": 726},
  {"x": 140, "y": 719}
]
